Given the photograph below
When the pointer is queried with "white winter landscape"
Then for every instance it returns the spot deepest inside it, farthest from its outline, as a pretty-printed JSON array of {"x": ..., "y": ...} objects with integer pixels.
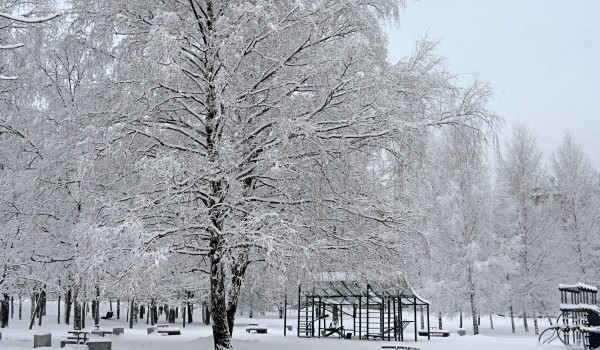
[
  {"x": 196, "y": 162},
  {"x": 196, "y": 336}
]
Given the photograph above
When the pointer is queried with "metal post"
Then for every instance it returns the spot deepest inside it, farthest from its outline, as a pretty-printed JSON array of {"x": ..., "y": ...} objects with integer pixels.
[
  {"x": 428, "y": 328},
  {"x": 284, "y": 315},
  {"x": 415, "y": 315}
]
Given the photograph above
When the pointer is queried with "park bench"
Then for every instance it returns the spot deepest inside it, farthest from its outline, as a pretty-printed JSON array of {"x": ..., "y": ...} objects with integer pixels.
[
  {"x": 108, "y": 316},
  {"x": 102, "y": 332},
  {"x": 434, "y": 333},
  {"x": 256, "y": 329},
  {"x": 399, "y": 347},
  {"x": 167, "y": 330}
]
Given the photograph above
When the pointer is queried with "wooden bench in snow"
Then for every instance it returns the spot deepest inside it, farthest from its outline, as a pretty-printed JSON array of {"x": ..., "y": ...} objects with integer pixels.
[
  {"x": 435, "y": 333},
  {"x": 256, "y": 329},
  {"x": 399, "y": 347},
  {"x": 168, "y": 330}
]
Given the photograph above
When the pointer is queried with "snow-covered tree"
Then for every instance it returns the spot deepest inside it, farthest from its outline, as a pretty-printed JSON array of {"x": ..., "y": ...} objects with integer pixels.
[
  {"x": 576, "y": 198},
  {"x": 524, "y": 218},
  {"x": 466, "y": 265}
]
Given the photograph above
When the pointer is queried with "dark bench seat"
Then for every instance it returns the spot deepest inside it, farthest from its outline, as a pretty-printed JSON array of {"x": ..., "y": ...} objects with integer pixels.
[
  {"x": 257, "y": 329},
  {"x": 435, "y": 333}
]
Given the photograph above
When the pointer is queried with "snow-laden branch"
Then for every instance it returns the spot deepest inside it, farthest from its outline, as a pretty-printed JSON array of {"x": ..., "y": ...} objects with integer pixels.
[
  {"x": 10, "y": 47},
  {"x": 4, "y": 77},
  {"x": 23, "y": 19}
]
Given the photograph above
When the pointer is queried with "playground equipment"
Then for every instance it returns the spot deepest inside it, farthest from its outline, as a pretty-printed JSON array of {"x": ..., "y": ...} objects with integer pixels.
[
  {"x": 578, "y": 325},
  {"x": 348, "y": 308}
]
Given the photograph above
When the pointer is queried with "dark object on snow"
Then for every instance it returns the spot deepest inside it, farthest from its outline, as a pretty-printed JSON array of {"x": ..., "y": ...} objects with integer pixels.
[{"x": 108, "y": 316}]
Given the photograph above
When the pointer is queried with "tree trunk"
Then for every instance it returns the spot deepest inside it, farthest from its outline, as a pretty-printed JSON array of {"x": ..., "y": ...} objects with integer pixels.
[
  {"x": 4, "y": 314},
  {"x": 474, "y": 314},
  {"x": 472, "y": 299},
  {"x": 512, "y": 318},
  {"x": 440, "y": 321},
  {"x": 43, "y": 305},
  {"x": 525, "y": 324},
  {"x": 58, "y": 309},
  {"x": 550, "y": 320},
  {"x": 97, "y": 306},
  {"x": 190, "y": 308},
  {"x": 77, "y": 309},
  {"x": 83, "y": 315},
  {"x": 35, "y": 308},
  {"x": 220, "y": 326},
  {"x": 20, "y": 308},
  {"x": 536, "y": 327},
  {"x": 460, "y": 320},
  {"x": 205, "y": 313},
  {"x": 68, "y": 302},
  {"x": 491, "y": 322},
  {"x": 12, "y": 307},
  {"x": 131, "y": 313},
  {"x": 238, "y": 271},
  {"x": 118, "y": 309},
  {"x": 422, "y": 317}
]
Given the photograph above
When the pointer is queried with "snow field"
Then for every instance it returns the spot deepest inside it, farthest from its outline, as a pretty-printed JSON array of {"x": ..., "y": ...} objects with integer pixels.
[{"x": 197, "y": 336}]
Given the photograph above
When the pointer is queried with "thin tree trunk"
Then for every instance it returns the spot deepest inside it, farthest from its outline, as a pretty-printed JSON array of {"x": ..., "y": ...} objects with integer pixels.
[
  {"x": 474, "y": 314},
  {"x": 460, "y": 320},
  {"x": 525, "y": 324},
  {"x": 76, "y": 310},
  {"x": 68, "y": 302},
  {"x": 35, "y": 306},
  {"x": 512, "y": 319},
  {"x": 440, "y": 321},
  {"x": 536, "y": 327},
  {"x": 58, "y": 309},
  {"x": 491, "y": 322},
  {"x": 83, "y": 312},
  {"x": 131, "y": 313},
  {"x": 190, "y": 307},
  {"x": 20, "y": 308},
  {"x": 118, "y": 309}
]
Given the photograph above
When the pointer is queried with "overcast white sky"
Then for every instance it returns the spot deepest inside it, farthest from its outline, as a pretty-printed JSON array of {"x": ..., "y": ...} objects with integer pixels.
[{"x": 542, "y": 58}]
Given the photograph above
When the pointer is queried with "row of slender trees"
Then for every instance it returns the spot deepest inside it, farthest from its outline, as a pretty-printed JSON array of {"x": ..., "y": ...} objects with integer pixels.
[{"x": 150, "y": 149}]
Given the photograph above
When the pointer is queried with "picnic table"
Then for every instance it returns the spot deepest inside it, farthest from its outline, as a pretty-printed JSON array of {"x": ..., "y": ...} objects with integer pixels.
[{"x": 77, "y": 337}]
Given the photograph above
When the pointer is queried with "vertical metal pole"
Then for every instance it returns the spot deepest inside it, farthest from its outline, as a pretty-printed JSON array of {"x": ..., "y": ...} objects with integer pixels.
[
  {"x": 389, "y": 318},
  {"x": 284, "y": 315},
  {"x": 401, "y": 319},
  {"x": 415, "y": 314},
  {"x": 360, "y": 317},
  {"x": 395, "y": 320},
  {"x": 299, "y": 308},
  {"x": 428, "y": 328}
]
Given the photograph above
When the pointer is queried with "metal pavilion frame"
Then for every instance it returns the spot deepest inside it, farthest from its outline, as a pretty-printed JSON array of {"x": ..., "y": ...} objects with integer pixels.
[{"x": 377, "y": 312}]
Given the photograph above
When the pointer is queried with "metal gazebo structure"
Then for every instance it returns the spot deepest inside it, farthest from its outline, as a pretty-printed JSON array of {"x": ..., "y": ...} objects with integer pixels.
[{"x": 368, "y": 311}]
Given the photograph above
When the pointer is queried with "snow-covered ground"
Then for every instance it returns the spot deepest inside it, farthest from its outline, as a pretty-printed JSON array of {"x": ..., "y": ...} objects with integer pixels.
[{"x": 197, "y": 336}]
